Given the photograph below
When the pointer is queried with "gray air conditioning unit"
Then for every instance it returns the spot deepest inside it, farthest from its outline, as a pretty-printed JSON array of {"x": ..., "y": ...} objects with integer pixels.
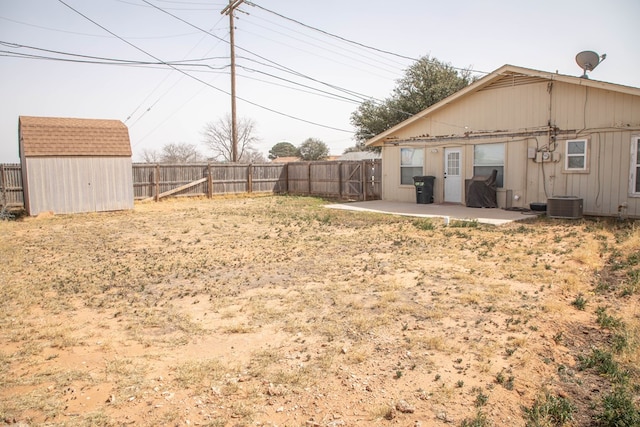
[{"x": 569, "y": 207}]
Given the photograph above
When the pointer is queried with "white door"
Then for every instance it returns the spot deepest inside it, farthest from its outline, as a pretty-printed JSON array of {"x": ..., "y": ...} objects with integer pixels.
[{"x": 452, "y": 175}]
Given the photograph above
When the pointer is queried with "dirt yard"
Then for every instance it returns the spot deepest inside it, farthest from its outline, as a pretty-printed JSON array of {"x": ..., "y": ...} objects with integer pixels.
[{"x": 275, "y": 311}]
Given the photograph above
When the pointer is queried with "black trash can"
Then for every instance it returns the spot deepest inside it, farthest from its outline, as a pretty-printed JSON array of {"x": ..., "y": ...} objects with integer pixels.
[{"x": 424, "y": 188}]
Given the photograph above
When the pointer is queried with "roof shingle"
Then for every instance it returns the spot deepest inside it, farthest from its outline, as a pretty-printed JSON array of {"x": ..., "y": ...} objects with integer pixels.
[{"x": 57, "y": 136}]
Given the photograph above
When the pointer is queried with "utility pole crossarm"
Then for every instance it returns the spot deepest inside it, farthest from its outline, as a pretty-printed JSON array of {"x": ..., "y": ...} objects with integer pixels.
[
  {"x": 231, "y": 6},
  {"x": 228, "y": 10}
]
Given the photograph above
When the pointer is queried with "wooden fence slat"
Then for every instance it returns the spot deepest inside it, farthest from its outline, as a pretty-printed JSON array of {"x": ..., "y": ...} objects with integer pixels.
[
  {"x": 3, "y": 185},
  {"x": 209, "y": 182}
]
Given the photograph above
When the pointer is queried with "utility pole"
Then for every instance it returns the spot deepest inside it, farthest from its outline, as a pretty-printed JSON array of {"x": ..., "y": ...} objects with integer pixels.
[{"x": 228, "y": 10}]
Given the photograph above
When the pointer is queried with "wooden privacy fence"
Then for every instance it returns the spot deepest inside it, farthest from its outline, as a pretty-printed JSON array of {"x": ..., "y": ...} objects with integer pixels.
[
  {"x": 11, "y": 194},
  {"x": 347, "y": 180}
]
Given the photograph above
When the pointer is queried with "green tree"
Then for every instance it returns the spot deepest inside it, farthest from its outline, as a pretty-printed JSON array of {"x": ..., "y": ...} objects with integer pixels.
[
  {"x": 313, "y": 149},
  {"x": 424, "y": 83},
  {"x": 283, "y": 149}
]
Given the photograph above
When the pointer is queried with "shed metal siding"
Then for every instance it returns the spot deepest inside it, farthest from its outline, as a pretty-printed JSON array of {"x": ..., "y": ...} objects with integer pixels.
[{"x": 67, "y": 185}]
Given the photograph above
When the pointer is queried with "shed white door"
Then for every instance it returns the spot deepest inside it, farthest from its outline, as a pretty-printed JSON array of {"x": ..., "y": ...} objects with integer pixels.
[{"x": 452, "y": 175}]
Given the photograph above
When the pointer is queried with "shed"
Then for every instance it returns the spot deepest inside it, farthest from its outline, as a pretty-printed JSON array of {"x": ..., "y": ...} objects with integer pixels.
[
  {"x": 549, "y": 136},
  {"x": 72, "y": 165}
]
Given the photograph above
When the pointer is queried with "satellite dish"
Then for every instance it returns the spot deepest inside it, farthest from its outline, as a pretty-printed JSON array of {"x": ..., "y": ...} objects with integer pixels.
[{"x": 588, "y": 61}]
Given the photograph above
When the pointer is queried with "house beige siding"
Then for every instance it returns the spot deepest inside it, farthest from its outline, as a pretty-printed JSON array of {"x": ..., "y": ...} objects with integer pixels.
[
  {"x": 516, "y": 109},
  {"x": 68, "y": 185}
]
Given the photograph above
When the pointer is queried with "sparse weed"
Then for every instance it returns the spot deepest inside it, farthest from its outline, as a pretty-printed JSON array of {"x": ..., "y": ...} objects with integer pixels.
[
  {"x": 480, "y": 420},
  {"x": 619, "y": 409},
  {"x": 481, "y": 399},
  {"x": 459, "y": 223},
  {"x": 580, "y": 302},
  {"x": 607, "y": 321},
  {"x": 549, "y": 410},
  {"x": 269, "y": 291},
  {"x": 504, "y": 381},
  {"x": 603, "y": 363},
  {"x": 424, "y": 224}
]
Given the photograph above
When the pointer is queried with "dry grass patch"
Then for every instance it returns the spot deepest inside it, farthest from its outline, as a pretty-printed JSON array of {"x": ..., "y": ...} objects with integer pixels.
[{"x": 273, "y": 310}]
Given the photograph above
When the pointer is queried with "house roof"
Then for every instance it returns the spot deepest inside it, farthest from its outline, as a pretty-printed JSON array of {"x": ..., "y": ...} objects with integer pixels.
[
  {"x": 503, "y": 76},
  {"x": 361, "y": 155},
  {"x": 286, "y": 159},
  {"x": 56, "y": 136}
]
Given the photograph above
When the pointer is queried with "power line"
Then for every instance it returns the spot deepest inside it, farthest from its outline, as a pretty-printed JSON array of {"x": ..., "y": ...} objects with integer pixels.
[
  {"x": 183, "y": 62},
  {"x": 344, "y": 98},
  {"x": 330, "y": 34},
  {"x": 250, "y": 3},
  {"x": 99, "y": 60},
  {"x": 175, "y": 8},
  {"x": 317, "y": 55},
  {"x": 92, "y": 35},
  {"x": 378, "y": 57},
  {"x": 165, "y": 79},
  {"x": 200, "y": 80},
  {"x": 277, "y": 65}
]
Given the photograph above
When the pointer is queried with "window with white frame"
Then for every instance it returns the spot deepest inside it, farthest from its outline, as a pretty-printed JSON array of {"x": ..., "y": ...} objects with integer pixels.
[
  {"x": 576, "y": 155},
  {"x": 486, "y": 158},
  {"x": 411, "y": 163},
  {"x": 634, "y": 182}
]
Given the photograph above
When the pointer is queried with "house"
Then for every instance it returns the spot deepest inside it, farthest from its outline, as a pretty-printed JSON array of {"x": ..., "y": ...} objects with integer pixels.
[
  {"x": 360, "y": 155},
  {"x": 548, "y": 136},
  {"x": 75, "y": 165}
]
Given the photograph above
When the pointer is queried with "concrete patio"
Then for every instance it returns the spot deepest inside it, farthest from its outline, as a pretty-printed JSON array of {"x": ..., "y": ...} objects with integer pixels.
[{"x": 451, "y": 211}]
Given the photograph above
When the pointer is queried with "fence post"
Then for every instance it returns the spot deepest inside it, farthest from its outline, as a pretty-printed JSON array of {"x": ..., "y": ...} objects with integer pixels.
[
  {"x": 363, "y": 179},
  {"x": 250, "y": 178},
  {"x": 286, "y": 178},
  {"x": 3, "y": 183},
  {"x": 309, "y": 178},
  {"x": 157, "y": 195},
  {"x": 340, "y": 180},
  {"x": 209, "y": 181}
]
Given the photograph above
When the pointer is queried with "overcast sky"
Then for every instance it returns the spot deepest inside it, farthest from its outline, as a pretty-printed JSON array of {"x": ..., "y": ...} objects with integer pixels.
[{"x": 294, "y": 81}]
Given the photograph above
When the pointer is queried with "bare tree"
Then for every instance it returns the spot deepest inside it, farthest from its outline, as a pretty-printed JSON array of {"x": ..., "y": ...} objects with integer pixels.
[
  {"x": 253, "y": 157},
  {"x": 217, "y": 137},
  {"x": 150, "y": 156},
  {"x": 179, "y": 152},
  {"x": 176, "y": 152}
]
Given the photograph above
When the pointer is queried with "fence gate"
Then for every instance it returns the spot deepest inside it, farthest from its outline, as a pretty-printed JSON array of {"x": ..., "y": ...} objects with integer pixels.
[{"x": 361, "y": 180}]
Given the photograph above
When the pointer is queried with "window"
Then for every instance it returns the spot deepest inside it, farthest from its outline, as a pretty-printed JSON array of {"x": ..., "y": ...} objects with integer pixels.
[
  {"x": 411, "y": 161},
  {"x": 486, "y": 158},
  {"x": 576, "y": 155},
  {"x": 634, "y": 182}
]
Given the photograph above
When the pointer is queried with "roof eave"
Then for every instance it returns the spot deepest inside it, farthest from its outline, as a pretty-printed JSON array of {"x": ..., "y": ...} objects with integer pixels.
[{"x": 379, "y": 139}]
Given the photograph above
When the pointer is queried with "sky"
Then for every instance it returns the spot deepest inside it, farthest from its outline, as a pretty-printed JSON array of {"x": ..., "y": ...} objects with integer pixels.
[{"x": 162, "y": 66}]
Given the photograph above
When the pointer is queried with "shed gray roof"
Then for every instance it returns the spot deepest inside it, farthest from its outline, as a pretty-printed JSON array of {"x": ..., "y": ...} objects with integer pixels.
[{"x": 56, "y": 136}]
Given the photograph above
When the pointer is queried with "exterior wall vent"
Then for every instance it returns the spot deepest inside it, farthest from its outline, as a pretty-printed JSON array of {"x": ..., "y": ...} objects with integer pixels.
[{"x": 568, "y": 207}]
